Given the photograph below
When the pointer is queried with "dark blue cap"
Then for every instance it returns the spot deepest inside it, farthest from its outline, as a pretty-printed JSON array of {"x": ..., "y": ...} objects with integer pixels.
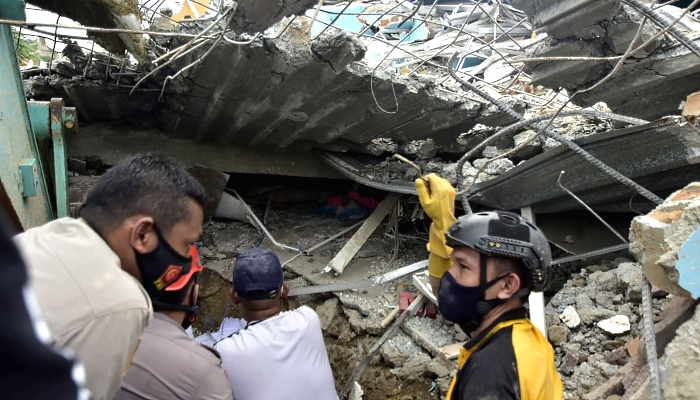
[{"x": 257, "y": 274}]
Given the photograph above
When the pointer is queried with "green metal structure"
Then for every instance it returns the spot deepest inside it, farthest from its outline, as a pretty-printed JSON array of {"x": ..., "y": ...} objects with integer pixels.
[{"x": 32, "y": 138}]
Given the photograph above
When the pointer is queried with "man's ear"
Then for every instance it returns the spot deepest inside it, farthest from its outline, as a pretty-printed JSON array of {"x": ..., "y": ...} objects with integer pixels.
[
  {"x": 510, "y": 286},
  {"x": 234, "y": 295},
  {"x": 284, "y": 293},
  {"x": 143, "y": 237}
]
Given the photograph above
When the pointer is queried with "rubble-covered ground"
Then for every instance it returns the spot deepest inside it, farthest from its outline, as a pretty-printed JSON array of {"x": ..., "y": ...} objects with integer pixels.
[{"x": 409, "y": 365}]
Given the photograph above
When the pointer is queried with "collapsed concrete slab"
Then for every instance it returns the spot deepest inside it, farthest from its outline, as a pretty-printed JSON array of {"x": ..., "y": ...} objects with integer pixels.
[
  {"x": 661, "y": 156},
  {"x": 112, "y": 143},
  {"x": 275, "y": 91},
  {"x": 657, "y": 238},
  {"x": 651, "y": 84}
]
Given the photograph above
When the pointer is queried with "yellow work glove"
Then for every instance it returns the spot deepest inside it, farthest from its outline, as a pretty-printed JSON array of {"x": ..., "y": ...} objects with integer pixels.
[{"x": 437, "y": 196}]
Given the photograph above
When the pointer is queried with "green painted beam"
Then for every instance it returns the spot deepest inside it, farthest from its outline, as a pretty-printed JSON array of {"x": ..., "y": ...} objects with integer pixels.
[{"x": 12, "y": 9}]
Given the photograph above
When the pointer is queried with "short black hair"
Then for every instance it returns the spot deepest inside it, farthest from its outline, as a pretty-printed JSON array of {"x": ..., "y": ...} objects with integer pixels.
[
  {"x": 149, "y": 184},
  {"x": 504, "y": 265}
]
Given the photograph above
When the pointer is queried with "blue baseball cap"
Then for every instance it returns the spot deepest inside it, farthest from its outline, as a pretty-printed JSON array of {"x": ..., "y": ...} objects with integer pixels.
[{"x": 257, "y": 274}]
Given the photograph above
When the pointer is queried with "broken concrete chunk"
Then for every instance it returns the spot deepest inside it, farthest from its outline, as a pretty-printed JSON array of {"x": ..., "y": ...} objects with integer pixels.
[
  {"x": 206, "y": 252},
  {"x": 499, "y": 167},
  {"x": 214, "y": 183},
  {"x": 680, "y": 362},
  {"x": 617, "y": 325},
  {"x": 327, "y": 311},
  {"x": 558, "y": 334},
  {"x": 449, "y": 172},
  {"x": 590, "y": 316},
  {"x": 630, "y": 275},
  {"x": 570, "y": 317},
  {"x": 356, "y": 392},
  {"x": 491, "y": 152},
  {"x": 398, "y": 350},
  {"x": 656, "y": 238},
  {"x": 606, "y": 281},
  {"x": 568, "y": 363},
  {"x": 423, "y": 149},
  {"x": 529, "y": 150}
]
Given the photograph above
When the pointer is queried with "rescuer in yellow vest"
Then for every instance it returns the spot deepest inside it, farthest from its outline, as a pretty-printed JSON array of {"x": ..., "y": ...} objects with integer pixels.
[{"x": 482, "y": 268}]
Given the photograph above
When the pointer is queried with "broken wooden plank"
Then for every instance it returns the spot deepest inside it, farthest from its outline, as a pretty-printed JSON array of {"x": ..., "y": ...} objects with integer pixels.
[
  {"x": 451, "y": 351},
  {"x": 421, "y": 282},
  {"x": 346, "y": 254},
  {"x": 387, "y": 320}
]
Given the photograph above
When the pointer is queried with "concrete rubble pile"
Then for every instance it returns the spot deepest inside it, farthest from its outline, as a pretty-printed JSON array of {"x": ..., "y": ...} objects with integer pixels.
[
  {"x": 425, "y": 152},
  {"x": 588, "y": 349}
]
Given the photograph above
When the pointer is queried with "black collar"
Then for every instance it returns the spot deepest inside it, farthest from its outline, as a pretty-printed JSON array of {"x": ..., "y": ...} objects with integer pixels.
[{"x": 518, "y": 313}]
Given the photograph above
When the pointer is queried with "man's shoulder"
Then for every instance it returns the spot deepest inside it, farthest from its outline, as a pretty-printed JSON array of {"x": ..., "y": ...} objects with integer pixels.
[
  {"x": 167, "y": 338},
  {"x": 497, "y": 349},
  {"x": 305, "y": 313},
  {"x": 61, "y": 228}
]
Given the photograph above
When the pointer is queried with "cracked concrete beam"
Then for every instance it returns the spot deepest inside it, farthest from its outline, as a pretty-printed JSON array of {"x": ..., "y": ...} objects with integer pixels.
[
  {"x": 279, "y": 92},
  {"x": 123, "y": 14},
  {"x": 651, "y": 83},
  {"x": 112, "y": 143},
  {"x": 650, "y": 87},
  {"x": 661, "y": 156},
  {"x": 256, "y": 16},
  {"x": 264, "y": 84},
  {"x": 562, "y": 19}
]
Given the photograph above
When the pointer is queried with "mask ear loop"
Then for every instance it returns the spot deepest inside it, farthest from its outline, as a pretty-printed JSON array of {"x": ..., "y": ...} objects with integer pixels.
[{"x": 194, "y": 306}]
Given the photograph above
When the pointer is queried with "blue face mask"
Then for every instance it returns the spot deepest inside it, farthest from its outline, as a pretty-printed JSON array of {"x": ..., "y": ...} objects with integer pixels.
[{"x": 465, "y": 305}]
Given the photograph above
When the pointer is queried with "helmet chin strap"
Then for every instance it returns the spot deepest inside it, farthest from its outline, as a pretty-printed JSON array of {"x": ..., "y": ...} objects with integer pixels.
[{"x": 484, "y": 306}]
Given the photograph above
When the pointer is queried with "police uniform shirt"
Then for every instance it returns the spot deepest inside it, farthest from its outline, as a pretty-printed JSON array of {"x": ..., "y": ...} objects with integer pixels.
[
  {"x": 280, "y": 358},
  {"x": 171, "y": 365},
  {"x": 88, "y": 302}
]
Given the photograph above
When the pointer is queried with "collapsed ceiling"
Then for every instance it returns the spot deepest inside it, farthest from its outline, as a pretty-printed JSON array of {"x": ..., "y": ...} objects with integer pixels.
[{"x": 344, "y": 76}]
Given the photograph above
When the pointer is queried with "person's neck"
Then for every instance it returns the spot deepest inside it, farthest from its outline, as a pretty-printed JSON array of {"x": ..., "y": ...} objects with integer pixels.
[
  {"x": 261, "y": 315},
  {"x": 495, "y": 314},
  {"x": 177, "y": 316}
]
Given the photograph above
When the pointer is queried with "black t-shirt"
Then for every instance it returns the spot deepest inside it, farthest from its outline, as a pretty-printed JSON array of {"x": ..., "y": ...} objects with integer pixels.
[{"x": 491, "y": 372}]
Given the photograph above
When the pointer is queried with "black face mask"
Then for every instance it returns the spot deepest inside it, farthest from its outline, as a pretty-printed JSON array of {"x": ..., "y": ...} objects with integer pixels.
[
  {"x": 161, "y": 267},
  {"x": 465, "y": 305}
]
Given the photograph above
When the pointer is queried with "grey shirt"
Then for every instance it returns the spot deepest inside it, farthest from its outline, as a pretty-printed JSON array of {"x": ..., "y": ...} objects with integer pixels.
[
  {"x": 88, "y": 302},
  {"x": 170, "y": 365}
]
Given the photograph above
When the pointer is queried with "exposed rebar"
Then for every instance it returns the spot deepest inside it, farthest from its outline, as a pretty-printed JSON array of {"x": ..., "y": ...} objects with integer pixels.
[{"x": 570, "y": 144}]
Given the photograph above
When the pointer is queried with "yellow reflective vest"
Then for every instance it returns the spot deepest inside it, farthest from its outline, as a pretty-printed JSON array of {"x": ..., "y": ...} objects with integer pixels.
[{"x": 509, "y": 360}]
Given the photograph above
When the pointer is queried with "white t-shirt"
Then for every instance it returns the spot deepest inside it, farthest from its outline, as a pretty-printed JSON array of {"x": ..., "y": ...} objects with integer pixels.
[{"x": 280, "y": 358}]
